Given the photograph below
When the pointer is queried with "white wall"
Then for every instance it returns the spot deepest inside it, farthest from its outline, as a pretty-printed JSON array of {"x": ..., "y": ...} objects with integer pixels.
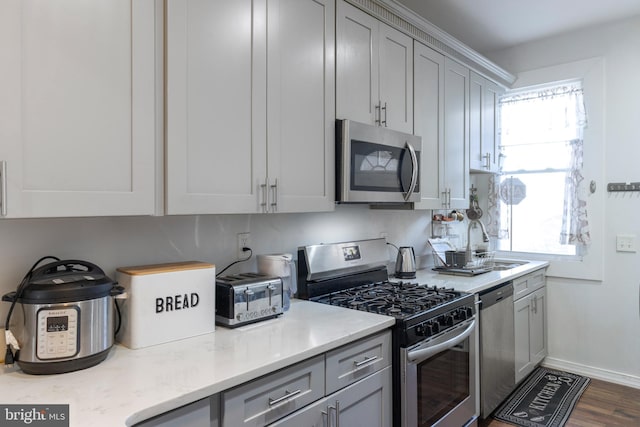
[
  {"x": 116, "y": 242},
  {"x": 594, "y": 327}
]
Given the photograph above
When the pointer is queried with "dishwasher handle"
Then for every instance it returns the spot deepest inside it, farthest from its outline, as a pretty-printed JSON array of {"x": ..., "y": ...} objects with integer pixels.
[{"x": 494, "y": 295}]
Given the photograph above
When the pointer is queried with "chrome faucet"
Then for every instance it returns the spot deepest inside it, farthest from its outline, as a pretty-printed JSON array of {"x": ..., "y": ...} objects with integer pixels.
[{"x": 485, "y": 238}]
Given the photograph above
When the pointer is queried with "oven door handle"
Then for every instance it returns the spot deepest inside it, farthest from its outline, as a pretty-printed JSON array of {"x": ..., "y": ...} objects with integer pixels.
[
  {"x": 414, "y": 171},
  {"x": 423, "y": 353}
]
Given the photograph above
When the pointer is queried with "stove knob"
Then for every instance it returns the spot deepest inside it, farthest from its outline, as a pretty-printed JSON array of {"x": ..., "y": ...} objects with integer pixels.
[
  {"x": 469, "y": 311},
  {"x": 431, "y": 328},
  {"x": 447, "y": 320},
  {"x": 421, "y": 330},
  {"x": 451, "y": 320},
  {"x": 461, "y": 314}
]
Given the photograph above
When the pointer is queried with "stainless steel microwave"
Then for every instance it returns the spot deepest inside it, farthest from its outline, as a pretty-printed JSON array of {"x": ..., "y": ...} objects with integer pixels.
[{"x": 375, "y": 164}]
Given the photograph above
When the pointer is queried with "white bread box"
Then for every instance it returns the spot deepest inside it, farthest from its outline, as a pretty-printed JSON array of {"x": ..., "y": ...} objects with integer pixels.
[{"x": 166, "y": 302}]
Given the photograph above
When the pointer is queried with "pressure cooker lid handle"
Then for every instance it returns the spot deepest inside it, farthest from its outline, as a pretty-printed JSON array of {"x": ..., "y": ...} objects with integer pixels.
[
  {"x": 116, "y": 290},
  {"x": 10, "y": 297},
  {"x": 52, "y": 267}
]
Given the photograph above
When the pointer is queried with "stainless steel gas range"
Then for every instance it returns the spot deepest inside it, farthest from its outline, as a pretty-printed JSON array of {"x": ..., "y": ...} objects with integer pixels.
[{"x": 435, "y": 337}]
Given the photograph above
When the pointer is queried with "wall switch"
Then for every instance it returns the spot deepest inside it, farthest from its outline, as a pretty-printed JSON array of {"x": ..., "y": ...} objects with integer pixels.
[
  {"x": 243, "y": 242},
  {"x": 626, "y": 243}
]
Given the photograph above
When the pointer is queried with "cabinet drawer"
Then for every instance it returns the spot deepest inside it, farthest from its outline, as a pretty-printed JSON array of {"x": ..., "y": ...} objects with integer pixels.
[
  {"x": 267, "y": 399},
  {"x": 353, "y": 362},
  {"x": 528, "y": 283}
]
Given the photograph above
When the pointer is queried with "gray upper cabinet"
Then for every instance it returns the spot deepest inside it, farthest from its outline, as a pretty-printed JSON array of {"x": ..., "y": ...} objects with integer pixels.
[
  {"x": 428, "y": 72},
  {"x": 455, "y": 152},
  {"x": 374, "y": 69},
  {"x": 442, "y": 120},
  {"x": 78, "y": 109},
  {"x": 484, "y": 140},
  {"x": 250, "y": 106}
]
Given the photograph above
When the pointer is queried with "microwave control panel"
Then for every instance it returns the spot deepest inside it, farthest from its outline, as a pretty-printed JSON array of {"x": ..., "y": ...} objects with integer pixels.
[{"x": 57, "y": 333}]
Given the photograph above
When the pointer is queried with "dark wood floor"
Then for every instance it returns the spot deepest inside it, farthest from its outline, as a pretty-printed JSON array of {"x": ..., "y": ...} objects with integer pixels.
[{"x": 602, "y": 404}]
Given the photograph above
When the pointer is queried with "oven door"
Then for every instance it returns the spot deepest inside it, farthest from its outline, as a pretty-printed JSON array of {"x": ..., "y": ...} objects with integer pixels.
[
  {"x": 376, "y": 164},
  {"x": 439, "y": 379}
]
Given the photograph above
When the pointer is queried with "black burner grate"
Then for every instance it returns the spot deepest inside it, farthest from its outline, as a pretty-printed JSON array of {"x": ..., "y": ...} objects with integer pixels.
[{"x": 397, "y": 299}]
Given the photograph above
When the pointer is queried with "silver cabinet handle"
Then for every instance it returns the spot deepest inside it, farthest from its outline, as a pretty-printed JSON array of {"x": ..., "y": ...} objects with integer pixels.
[
  {"x": 487, "y": 161},
  {"x": 337, "y": 411},
  {"x": 274, "y": 202},
  {"x": 3, "y": 188},
  {"x": 265, "y": 195},
  {"x": 378, "y": 113},
  {"x": 366, "y": 361},
  {"x": 383, "y": 122},
  {"x": 287, "y": 395},
  {"x": 446, "y": 204},
  {"x": 414, "y": 165}
]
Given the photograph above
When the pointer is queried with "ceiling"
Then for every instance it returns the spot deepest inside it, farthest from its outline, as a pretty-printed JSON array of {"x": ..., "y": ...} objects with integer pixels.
[{"x": 488, "y": 25}]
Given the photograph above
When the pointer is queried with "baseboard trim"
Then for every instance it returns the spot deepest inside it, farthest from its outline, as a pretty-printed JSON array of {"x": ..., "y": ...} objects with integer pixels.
[{"x": 591, "y": 372}]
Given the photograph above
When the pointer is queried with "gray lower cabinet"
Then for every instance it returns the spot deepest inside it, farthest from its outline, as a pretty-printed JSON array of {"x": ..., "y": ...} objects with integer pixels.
[
  {"x": 349, "y": 386},
  {"x": 202, "y": 413},
  {"x": 530, "y": 327},
  {"x": 366, "y": 403},
  {"x": 267, "y": 399}
]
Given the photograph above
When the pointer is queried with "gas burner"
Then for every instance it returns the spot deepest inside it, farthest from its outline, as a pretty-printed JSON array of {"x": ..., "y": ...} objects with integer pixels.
[{"x": 398, "y": 299}]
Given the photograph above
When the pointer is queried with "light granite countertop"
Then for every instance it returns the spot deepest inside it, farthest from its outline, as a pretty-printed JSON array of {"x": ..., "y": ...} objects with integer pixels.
[
  {"x": 477, "y": 283},
  {"x": 134, "y": 385}
]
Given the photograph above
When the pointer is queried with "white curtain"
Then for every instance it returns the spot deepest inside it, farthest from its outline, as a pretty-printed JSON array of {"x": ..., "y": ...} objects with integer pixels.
[{"x": 552, "y": 116}]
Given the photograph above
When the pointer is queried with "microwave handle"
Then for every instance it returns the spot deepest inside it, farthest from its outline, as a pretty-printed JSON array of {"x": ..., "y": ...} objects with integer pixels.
[{"x": 414, "y": 173}]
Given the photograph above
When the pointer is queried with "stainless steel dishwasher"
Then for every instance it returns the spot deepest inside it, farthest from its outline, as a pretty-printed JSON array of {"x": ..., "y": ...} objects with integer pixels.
[{"x": 497, "y": 347}]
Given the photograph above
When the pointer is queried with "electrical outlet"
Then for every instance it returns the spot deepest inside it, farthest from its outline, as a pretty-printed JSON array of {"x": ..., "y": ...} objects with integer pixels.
[
  {"x": 626, "y": 243},
  {"x": 244, "y": 241}
]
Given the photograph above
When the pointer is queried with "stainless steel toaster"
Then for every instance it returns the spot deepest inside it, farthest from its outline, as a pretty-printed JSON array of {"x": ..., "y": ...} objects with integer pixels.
[{"x": 247, "y": 298}]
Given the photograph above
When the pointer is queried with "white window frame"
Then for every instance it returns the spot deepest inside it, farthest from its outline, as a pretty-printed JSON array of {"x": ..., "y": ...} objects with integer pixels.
[{"x": 591, "y": 72}]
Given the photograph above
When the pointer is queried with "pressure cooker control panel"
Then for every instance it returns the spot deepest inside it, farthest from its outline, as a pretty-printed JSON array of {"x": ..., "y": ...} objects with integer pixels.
[{"x": 57, "y": 333}]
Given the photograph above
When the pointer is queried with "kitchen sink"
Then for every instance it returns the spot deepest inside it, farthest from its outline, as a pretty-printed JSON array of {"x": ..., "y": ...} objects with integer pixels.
[{"x": 507, "y": 264}]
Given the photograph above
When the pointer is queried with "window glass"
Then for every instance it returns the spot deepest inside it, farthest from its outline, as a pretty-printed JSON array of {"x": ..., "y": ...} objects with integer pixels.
[{"x": 538, "y": 138}]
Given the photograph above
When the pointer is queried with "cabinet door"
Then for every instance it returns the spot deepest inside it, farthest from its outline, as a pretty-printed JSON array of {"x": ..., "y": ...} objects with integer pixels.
[
  {"x": 476, "y": 114},
  {"x": 538, "y": 334},
  {"x": 216, "y": 106},
  {"x": 357, "y": 95},
  {"x": 522, "y": 315},
  {"x": 491, "y": 125},
  {"x": 301, "y": 105},
  {"x": 530, "y": 332},
  {"x": 366, "y": 403},
  {"x": 428, "y": 101},
  {"x": 78, "y": 107},
  {"x": 396, "y": 79},
  {"x": 455, "y": 161},
  {"x": 484, "y": 150}
]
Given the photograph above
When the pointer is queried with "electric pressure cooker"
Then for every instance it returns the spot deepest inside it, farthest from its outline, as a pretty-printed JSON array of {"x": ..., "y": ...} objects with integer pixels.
[{"x": 64, "y": 317}]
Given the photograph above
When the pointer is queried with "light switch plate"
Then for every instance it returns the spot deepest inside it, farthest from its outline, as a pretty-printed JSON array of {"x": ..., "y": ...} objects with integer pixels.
[{"x": 626, "y": 243}]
